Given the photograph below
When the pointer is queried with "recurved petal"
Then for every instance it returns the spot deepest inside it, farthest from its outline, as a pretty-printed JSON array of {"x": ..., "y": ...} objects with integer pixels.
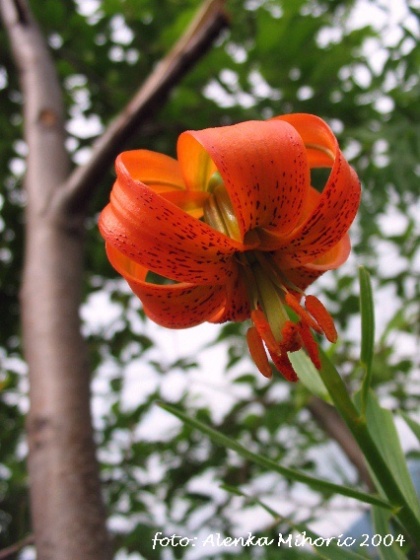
[
  {"x": 263, "y": 165},
  {"x": 337, "y": 206},
  {"x": 320, "y": 142},
  {"x": 271, "y": 240},
  {"x": 174, "y": 306},
  {"x": 155, "y": 233},
  {"x": 159, "y": 172},
  {"x": 302, "y": 276}
]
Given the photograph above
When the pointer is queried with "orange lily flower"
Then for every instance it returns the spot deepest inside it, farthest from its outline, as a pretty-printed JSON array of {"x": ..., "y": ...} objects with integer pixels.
[{"x": 237, "y": 231}]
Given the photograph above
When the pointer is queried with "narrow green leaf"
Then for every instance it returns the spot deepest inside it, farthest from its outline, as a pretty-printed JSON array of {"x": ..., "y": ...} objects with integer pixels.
[
  {"x": 312, "y": 482},
  {"x": 328, "y": 549},
  {"x": 309, "y": 375},
  {"x": 252, "y": 500},
  {"x": 368, "y": 329},
  {"x": 383, "y": 539},
  {"x": 381, "y": 426},
  {"x": 412, "y": 424},
  {"x": 339, "y": 394},
  {"x": 373, "y": 434}
]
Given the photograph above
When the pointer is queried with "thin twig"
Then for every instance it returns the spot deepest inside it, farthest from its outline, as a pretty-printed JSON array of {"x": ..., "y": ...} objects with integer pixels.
[
  {"x": 209, "y": 22},
  {"x": 15, "y": 548}
]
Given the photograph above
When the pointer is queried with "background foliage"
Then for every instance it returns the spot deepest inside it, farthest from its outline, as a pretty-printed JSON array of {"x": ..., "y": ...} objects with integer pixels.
[{"x": 312, "y": 56}]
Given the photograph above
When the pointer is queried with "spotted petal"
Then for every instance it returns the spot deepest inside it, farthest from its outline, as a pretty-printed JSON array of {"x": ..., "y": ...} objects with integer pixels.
[
  {"x": 159, "y": 172},
  {"x": 304, "y": 275},
  {"x": 162, "y": 175},
  {"x": 236, "y": 306},
  {"x": 263, "y": 166},
  {"x": 155, "y": 233},
  {"x": 173, "y": 306},
  {"x": 337, "y": 206}
]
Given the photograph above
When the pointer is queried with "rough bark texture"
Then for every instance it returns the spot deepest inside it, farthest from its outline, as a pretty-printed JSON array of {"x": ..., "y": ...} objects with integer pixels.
[
  {"x": 65, "y": 490},
  {"x": 67, "y": 510},
  {"x": 68, "y": 515}
]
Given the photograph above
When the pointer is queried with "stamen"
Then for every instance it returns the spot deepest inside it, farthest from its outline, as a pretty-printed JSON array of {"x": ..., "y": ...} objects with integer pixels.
[
  {"x": 284, "y": 366},
  {"x": 264, "y": 330},
  {"x": 322, "y": 317},
  {"x": 258, "y": 353},
  {"x": 293, "y": 303},
  {"x": 310, "y": 344},
  {"x": 270, "y": 301},
  {"x": 212, "y": 216},
  {"x": 277, "y": 350},
  {"x": 214, "y": 181},
  {"x": 219, "y": 214}
]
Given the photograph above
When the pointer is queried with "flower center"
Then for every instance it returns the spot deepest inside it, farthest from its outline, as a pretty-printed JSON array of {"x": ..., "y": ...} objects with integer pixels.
[{"x": 273, "y": 299}]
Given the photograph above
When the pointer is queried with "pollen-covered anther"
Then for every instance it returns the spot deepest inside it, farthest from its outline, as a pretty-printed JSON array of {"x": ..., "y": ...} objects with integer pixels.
[
  {"x": 264, "y": 330},
  {"x": 322, "y": 317},
  {"x": 258, "y": 353},
  {"x": 283, "y": 364},
  {"x": 277, "y": 350},
  {"x": 310, "y": 344}
]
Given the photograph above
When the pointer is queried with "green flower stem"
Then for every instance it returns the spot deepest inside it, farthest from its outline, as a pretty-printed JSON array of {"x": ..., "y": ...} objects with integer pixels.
[
  {"x": 368, "y": 331},
  {"x": 358, "y": 427}
]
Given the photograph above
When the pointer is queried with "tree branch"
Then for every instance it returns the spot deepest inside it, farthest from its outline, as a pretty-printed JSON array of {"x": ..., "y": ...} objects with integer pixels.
[
  {"x": 207, "y": 25},
  {"x": 15, "y": 548},
  {"x": 331, "y": 422}
]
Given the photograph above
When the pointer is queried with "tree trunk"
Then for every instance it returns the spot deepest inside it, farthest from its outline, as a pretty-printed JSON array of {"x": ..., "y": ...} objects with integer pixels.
[
  {"x": 65, "y": 490},
  {"x": 67, "y": 510},
  {"x": 68, "y": 515}
]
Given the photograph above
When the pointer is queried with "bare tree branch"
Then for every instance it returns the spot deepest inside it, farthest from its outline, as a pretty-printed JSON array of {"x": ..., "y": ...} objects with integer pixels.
[
  {"x": 209, "y": 22},
  {"x": 15, "y": 548},
  {"x": 331, "y": 422}
]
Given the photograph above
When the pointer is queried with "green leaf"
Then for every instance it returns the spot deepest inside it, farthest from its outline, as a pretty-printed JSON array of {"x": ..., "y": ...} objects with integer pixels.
[
  {"x": 381, "y": 426},
  {"x": 309, "y": 375},
  {"x": 312, "y": 482},
  {"x": 368, "y": 329},
  {"x": 384, "y": 535},
  {"x": 376, "y": 435},
  {"x": 323, "y": 549},
  {"x": 252, "y": 500},
  {"x": 412, "y": 424}
]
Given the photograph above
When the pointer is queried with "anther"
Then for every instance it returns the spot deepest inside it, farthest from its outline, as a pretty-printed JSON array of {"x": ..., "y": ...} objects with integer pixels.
[
  {"x": 322, "y": 317},
  {"x": 258, "y": 353},
  {"x": 310, "y": 344}
]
